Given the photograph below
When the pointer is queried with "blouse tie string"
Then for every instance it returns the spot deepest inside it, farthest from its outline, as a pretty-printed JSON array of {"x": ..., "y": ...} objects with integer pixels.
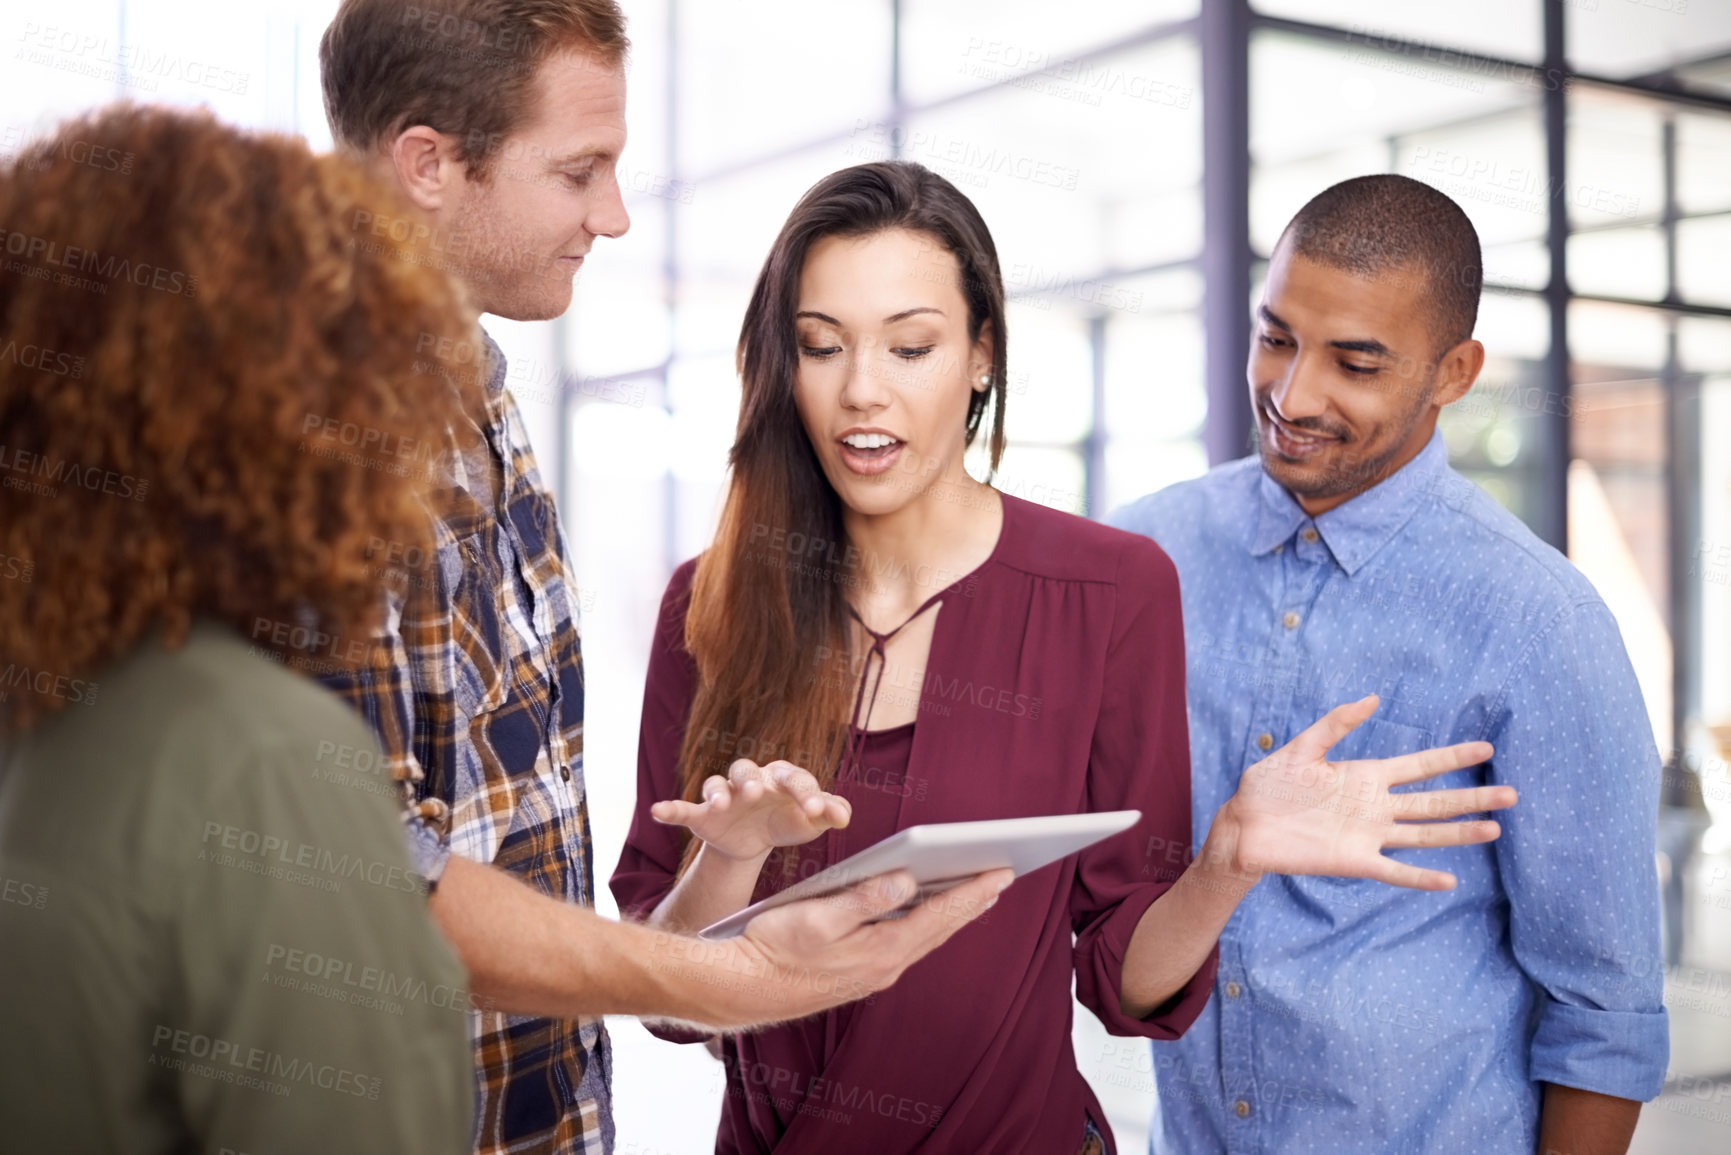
[{"x": 856, "y": 723}]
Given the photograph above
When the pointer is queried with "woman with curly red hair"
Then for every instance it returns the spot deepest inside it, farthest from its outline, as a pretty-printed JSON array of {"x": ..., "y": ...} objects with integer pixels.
[{"x": 211, "y": 937}]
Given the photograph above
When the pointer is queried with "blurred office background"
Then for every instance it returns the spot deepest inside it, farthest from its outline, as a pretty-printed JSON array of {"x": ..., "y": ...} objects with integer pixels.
[{"x": 1136, "y": 161}]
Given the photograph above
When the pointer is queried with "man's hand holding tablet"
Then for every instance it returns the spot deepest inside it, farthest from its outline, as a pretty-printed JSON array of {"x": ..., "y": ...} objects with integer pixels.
[{"x": 808, "y": 956}]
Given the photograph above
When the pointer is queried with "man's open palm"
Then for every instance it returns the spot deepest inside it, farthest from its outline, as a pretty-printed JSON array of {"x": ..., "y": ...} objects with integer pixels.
[{"x": 1298, "y": 813}]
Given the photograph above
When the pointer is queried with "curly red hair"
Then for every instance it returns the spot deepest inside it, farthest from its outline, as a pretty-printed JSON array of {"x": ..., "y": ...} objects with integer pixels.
[{"x": 187, "y": 313}]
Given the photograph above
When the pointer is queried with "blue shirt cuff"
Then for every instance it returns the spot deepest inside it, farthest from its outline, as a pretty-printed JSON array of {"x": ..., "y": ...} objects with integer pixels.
[{"x": 1621, "y": 1053}]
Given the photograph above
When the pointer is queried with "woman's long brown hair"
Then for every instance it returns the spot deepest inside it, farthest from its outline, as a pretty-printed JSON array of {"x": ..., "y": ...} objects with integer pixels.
[{"x": 767, "y": 623}]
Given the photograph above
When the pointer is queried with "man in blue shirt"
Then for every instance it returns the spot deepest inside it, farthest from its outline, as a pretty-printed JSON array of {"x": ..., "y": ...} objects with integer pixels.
[{"x": 1522, "y": 1010}]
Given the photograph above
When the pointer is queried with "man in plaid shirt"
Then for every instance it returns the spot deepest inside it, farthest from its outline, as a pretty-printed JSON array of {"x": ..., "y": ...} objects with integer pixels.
[
  {"x": 502, "y": 122},
  {"x": 480, "y": 707}
]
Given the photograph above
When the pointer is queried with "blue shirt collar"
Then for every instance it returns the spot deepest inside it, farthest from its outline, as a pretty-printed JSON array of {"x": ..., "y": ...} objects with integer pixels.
[{"x": 1355, "y": 529}]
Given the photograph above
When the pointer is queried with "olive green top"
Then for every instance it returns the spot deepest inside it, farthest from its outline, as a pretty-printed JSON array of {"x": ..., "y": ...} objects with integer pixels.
[{"x": 210, "y": 937}]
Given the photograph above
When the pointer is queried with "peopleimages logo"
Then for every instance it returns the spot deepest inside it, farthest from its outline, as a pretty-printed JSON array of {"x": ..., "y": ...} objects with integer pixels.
[
  {"x": 21, "y": 893},
  {"x": 52, "y": 472},
  {"x": 961, "y": 160},
  {"x": 111, "y": 268},
  {"x": 261, "y": 853},
  {"x": 371, "y": 987},
  {"x": 224, "y": 1059},
  {"x": 41, "y": 358},
  {"x": 137, "y": 65},
  {"x": 46, "y": 683}
]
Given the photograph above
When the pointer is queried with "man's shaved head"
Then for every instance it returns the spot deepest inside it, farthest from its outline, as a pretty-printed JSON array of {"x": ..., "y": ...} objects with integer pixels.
[{"x": 1374, "y": 226}]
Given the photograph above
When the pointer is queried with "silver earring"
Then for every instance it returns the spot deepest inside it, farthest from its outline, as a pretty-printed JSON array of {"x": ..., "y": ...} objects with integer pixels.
[{"x": 985, "y": 378}]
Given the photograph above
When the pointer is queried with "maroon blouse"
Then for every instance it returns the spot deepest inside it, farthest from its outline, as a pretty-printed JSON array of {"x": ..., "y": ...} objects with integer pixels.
[{"x": 1055, "y": 684}]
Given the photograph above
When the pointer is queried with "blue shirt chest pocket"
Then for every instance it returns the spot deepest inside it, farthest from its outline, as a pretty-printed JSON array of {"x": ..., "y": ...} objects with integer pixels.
[
  {"x": 1375, "y": 737},
  {"x": 1379, "y": 737},
  {"x": 1384, "y": 737}
]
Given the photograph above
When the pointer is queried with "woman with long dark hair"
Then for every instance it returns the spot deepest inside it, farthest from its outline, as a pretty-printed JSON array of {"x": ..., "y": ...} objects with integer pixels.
[{"x": 876, "y": 640}]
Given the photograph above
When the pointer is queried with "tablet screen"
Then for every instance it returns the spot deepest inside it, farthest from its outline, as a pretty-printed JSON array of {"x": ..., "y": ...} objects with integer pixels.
[{"x": 943, "y": 854}]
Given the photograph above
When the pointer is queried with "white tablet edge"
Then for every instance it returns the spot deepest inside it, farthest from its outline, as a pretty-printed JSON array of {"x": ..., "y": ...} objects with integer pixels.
[{"x": 903, "y": 848}]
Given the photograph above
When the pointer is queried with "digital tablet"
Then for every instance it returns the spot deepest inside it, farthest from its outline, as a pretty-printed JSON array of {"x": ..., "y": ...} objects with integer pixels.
[{"x": 944, "y": 854}]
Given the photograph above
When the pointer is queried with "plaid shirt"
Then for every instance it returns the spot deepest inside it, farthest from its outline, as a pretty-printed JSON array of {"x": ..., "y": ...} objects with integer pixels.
[{"x": 478, "y": 702}]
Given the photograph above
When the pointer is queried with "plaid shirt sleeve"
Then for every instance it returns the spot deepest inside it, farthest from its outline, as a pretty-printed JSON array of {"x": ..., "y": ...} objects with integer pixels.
[
  {"x": 476, "y": 693},
  {"x": 383, "y": 694}
]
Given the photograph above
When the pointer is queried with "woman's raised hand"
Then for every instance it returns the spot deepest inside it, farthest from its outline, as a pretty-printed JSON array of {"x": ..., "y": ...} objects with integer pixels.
[
  {"x": 757, "y": 808},
  {"x": 1295, "y": 812}
]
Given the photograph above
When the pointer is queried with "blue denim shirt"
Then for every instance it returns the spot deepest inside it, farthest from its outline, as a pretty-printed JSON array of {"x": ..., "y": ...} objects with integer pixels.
[{"x": 1351, "y": 1016}]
